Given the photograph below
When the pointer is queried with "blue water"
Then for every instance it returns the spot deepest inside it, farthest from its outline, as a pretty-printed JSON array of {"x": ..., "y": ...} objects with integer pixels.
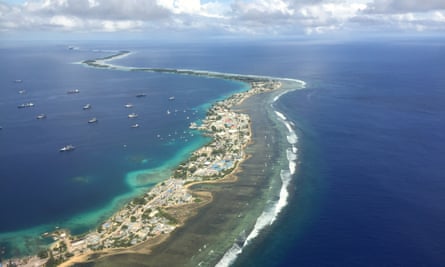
[
  {"x": 42, "y": 188},
  {"x": 371, "y": 187},
  {"x": 369, "y": 190}
]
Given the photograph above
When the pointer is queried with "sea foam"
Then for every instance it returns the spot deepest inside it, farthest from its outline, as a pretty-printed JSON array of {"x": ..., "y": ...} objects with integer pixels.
[{"x": 270, "y": 214}]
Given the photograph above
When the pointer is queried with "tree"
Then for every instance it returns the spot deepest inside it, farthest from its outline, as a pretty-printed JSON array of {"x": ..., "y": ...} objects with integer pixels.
[{"x": 43, "y": 254}]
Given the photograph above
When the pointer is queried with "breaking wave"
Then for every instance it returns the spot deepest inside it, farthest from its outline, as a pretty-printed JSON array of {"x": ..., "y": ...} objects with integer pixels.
[{"x": 270, "y": 214}]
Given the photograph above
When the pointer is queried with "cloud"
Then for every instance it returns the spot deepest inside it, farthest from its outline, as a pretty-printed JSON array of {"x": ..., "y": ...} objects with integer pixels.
[
  {"x": 315, "y": 16},
  {"x": 97, "y": 9},
  {"x": 433, "y": 21},
  {"x": 404, "y": 6},
  {"x": 403, "y": 15},
  {"x": 257, "y": 17},
  {"x": 82, "y": 15}
]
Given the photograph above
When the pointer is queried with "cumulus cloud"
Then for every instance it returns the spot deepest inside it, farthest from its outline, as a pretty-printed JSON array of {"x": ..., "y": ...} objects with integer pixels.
[
  {"x": 81, "y": 15},
  {"x": 97, "y": 9},
  {"x": 316, "y": 16},
  {"x": 223, "y": 16},
  {"x": 405, "y": 15},
  {"x": 404, "y": 6}
]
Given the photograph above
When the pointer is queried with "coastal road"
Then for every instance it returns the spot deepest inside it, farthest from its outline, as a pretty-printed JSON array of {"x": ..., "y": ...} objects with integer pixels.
[{"x": 205, "y": 237}]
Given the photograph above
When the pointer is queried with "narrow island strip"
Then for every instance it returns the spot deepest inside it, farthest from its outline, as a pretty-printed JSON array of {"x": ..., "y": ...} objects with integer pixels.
[{"x": 149, "y": 219}]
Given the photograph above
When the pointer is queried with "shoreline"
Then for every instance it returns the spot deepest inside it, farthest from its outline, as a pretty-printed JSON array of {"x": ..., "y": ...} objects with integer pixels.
[{"x": 216, "y": 163}]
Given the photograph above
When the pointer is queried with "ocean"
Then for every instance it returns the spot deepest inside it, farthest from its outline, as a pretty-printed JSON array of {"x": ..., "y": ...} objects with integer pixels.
[
  {"x": 42, "y": 188},
  {"x": 369, "y": 190},
  {"x": 369, "y": 187}
]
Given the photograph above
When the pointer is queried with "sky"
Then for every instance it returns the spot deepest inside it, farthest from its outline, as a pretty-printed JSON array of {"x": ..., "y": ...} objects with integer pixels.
[{"x": 220, "y": 17}]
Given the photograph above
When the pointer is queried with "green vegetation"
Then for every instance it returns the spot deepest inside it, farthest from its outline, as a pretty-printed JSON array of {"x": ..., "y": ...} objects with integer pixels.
[
  {"x": 53, "y": 262},
  {"x": 139, "y": 201},
  {"x": 146, "y": 214},
  {"x": 192, "y": 169},
  {"x": 69, "y": 255},
  {"x": 43, "y": 254},
  {"x": 219, "y": 151},
  {"x": 179, "y": 174},
  {"x": 169, "y": 217}
]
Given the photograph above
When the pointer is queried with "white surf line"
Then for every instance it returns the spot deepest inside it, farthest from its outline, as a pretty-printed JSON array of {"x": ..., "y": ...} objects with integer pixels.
[
  {"x": 271, "y": 213},
  {"x": 104, "y": 63}
]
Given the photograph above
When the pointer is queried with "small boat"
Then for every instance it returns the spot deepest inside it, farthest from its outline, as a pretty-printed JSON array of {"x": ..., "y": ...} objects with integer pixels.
[
  {"x": 132, "y": 115},
  {"x": 44, "y": 235},
  {"x": 22, "y": 92},
  {"x": 87, "y": 106},
  {"x": 41, "y": 116},
  {"x": 74, "y": 91},
  {"x": 93, "y": 120},
  {"x": 18, "y": 81},
  {"x": 67, "y": 148},
  {"x": 168, "y": 112},
  {"x": 171, "y": 98},
  {"x": 26, "y": 105},
  {"x": 141, "y": 95},
  {"x": 135, "y": 126},
  {"x": 128, "y": 105}
]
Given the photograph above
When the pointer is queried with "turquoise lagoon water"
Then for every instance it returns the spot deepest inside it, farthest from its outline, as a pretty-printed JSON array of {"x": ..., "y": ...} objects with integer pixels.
[
  {"x": 42, "y": 188},
  {"x": 369, "y": 185}
]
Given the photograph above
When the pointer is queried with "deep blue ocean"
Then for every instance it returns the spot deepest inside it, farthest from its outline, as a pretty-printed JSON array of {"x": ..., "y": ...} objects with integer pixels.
[{"x": 370, "y": 186}]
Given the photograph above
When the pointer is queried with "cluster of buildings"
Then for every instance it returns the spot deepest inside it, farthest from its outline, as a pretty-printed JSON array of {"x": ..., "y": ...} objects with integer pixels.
[
  {"x": 231, "y": 133},
  {"x": 136, "y": 222},
  {"x": 145, "y": 217}
]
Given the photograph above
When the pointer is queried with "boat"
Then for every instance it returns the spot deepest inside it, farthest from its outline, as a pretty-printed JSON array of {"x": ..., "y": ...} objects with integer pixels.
[
  {"x": 168, "y": 112},
  {"x": 132, "y": 115},
  {"x": 18, "y": 81},
  {"x": 129, "y": 105},
  {"x": 135, "y": 126},
  {"x": 171, "y": 98},
  {"x": 67, "y": 148},
  {"x": 74, "y": 91},
  {"x": 41, "y": 116},
  {"x": 22, "y": 92},
  {"x": 141, "y": 95},
  {"x": 87, "y": 106},
  {"x": 44, "y": 235},
  {"x": 93, "y": 120},
  {"x": 26, "y": 105}
]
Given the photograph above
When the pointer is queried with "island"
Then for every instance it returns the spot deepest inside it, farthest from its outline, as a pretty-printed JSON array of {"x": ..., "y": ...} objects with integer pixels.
[{"x": 148, "y": 220}]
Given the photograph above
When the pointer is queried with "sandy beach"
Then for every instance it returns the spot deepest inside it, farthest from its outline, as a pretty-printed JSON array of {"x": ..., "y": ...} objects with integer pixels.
[
  {"x": 228, "y": 208},
  {"x": 211, "y": 201},
  {"x": 236, "y": 203}
]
